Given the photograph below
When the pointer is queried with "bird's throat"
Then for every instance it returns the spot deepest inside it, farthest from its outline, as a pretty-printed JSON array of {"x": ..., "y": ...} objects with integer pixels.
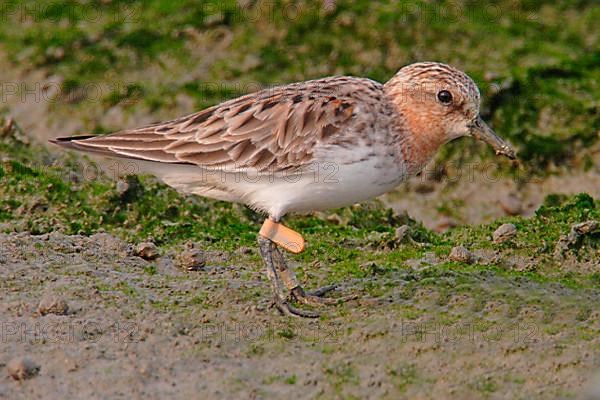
[{"x": 422, "y": 142}]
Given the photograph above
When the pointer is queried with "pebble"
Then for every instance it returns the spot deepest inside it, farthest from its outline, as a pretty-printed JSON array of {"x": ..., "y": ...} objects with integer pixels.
[
  {"x": 577, "y": 230},
  {"x": 191, "y": 259},
  {"x": 402, "y": 232},
  {"x": 53, "y": 304},
  {"x": 504, "y": 232},
  {"x": 461, "y": 254},
  {"x": 7, "y": 127},
  {"x": 511, "y": 204},
  {"x": 22, "y": 368},
  {"x": 146, "y": 250},
  {"x": 445, "y": 223},
  {"x": 122, "y": 187},
  {"x": 245, "y": 250}
]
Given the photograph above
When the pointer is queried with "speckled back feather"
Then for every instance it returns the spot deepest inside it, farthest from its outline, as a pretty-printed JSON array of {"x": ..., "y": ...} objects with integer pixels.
[{"x": 273, "y": 129}]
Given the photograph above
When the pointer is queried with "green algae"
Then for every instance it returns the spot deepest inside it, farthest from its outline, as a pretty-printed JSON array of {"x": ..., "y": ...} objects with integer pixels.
[
  {"x": 536, "y": 63},
  {"x": 42, "y": 192}
]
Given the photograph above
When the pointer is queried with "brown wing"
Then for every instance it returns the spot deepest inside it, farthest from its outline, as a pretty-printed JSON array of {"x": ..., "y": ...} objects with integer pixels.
[{"x": 275, "y": 129}]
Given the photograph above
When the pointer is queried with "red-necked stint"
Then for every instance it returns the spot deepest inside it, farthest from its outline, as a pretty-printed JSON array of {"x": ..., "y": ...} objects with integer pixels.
[{"x": 304, "y": 147}]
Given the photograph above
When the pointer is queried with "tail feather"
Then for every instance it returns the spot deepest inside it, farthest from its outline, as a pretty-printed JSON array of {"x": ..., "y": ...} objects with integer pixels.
[
  {"x": 74, "y": 143},
  {"x": 68, "y": 141},
  {"x": 79, "y": 143}
]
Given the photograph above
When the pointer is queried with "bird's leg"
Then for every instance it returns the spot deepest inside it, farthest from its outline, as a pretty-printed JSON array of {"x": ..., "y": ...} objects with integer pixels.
[
  {"x": 267, "y": 250},
  {"x": 291, "y": 283},
  {"x": 292, "y": 241}
]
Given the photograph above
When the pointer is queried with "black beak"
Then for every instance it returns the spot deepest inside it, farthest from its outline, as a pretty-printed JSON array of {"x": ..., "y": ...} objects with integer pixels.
[{"x": 481, "y": 131}]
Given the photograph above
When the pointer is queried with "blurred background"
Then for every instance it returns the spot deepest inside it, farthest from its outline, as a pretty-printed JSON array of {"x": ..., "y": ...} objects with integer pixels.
[
  {"x": 166, "y": 294},
  {"x": 100, "y": 66}
]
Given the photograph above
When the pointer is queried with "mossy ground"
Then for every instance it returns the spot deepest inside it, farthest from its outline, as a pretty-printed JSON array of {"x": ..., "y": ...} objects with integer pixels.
[
  {"x": 519, "y": 297},
  {"x": 536, "y": 62},
  {"x": 42, "y": 193},
  {"x": 425, "y": 326}
]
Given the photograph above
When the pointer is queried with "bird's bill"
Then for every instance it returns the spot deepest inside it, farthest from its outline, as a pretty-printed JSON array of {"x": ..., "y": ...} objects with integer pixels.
[{"x": 481, "y": 131}]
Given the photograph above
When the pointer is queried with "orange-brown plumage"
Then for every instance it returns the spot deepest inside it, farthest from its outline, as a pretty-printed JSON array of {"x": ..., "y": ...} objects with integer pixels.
[{"x": 376, "y": 135}]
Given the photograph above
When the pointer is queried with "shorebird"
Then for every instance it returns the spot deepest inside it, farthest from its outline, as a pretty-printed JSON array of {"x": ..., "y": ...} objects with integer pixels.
[{"x": 304, "y": 147}]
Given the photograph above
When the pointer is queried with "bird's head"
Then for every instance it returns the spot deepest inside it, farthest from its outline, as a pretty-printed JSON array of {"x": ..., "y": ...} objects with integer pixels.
[{"x": 441, "y": 103}]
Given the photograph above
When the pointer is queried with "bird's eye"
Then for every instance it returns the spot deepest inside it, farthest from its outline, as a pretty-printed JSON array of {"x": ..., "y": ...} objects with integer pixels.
[{"x": 444, "y": 96}]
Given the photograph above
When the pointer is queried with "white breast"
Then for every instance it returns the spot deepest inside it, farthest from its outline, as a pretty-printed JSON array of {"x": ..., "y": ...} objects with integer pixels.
[{"x": 338, "y": 177}]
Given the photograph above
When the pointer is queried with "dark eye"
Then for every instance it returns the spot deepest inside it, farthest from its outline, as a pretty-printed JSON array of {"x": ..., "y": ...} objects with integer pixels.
[{"x": 444, "y": 96}]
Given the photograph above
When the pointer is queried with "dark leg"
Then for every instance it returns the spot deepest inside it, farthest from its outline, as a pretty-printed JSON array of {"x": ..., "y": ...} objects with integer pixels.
[
  {"x": 267, "y": 251},
  {"x": 291, "y": 283},
  {"x": 281, "y": 275}
]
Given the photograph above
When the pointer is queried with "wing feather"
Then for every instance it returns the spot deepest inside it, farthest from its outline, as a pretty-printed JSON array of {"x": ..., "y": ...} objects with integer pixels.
[{"x": 275, "y": 129}]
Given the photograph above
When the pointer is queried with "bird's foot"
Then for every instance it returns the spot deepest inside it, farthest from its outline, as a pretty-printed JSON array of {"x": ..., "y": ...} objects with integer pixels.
[
  {"x": 284, "y": 307},
  {"x": 315, "y": 297},
  {"x": 312, "y": 298}
]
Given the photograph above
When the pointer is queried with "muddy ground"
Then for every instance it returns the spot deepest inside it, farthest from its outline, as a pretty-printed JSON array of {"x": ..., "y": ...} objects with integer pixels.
[
  {"x": 82, "y": 316},
  {"x": 137, "y": 328}
]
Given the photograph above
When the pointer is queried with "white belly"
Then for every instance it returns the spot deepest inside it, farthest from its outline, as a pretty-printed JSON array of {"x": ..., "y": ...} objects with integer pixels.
[
  {"x": 331, "y": 186},
  {"x": 351, "y": 178}
]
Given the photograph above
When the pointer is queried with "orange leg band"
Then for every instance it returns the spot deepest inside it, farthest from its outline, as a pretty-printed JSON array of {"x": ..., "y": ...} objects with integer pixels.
[{"x": 282, "y": 235}]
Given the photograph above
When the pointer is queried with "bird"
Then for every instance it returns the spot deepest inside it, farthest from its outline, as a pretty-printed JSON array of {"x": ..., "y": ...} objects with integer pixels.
[{"x": 304, "y": 147}]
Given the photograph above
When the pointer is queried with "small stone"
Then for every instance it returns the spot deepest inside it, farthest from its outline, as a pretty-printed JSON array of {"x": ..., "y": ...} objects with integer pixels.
[
  {"x": 22, "y": 368},
  {"x": 584, "y": 228},
  {"x": 128, "y": 187},
  {"x": 577, "y": 231},
  {"x": 335, "y": 219},
  {"x": 402, "y": 232},
  {"x": 245, "y": 250},
  {"x": 122, "y": 187},
  {"x": 504, "y": 232},
  {"x": 445, "y": 223},
  {"x": 511, "y": 205},
  {"x": 146, "y": 250},
  {"x": 7, "y": 127},
  {"x": 191, "y": 260},
  {"x": 461, "y": 254},
  {"x": 146, "y": 369},
  {"x": 53, "y": 304},
  {"x": 70, "y": 364},
  {"x": 57, "y": 53}
]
